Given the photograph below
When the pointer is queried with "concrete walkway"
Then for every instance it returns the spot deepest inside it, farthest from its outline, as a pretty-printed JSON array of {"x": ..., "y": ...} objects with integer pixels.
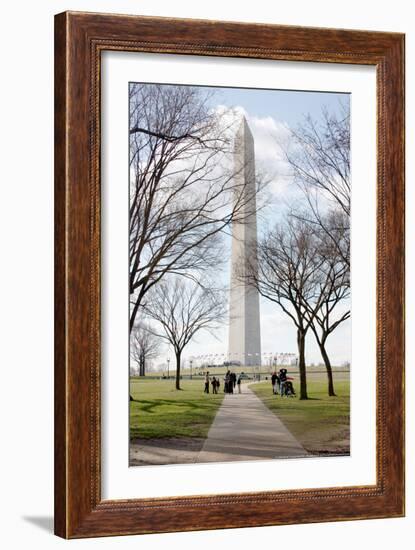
[{"x": 245, "y": 429}]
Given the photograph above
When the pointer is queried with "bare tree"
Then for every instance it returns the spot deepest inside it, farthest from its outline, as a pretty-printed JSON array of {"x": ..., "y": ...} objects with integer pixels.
[
  {"x": 182, "y": 309},
  {"x": 320, "y": 159},
  {"x": 183, "y": 193},
  {"x": 334, "y": 288},
  {"x": 321, "y": 156},
  {"x": 287, "y": 272},
  {"x": 144, "y": 346}
]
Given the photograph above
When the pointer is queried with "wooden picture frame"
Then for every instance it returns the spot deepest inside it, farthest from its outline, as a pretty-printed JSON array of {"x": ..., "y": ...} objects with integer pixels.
[{"x": 79, "y": 40}]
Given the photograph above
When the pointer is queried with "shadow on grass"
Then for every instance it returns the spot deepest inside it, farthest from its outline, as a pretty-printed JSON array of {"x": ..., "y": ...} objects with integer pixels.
[
  {"x": 167, "y": 442},
  {"x": 147, "y": 405}
]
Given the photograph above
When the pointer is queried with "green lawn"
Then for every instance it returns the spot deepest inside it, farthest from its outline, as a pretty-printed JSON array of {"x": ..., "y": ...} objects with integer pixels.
[
  {"x": 320, "y": 423},
  {"x": 159, "y": 410}
]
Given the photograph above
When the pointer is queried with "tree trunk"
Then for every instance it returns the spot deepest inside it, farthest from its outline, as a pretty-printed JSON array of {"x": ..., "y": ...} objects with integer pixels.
[
  {"x": 142, "y": 368},
  {"x": 328, "y": 367},
  {"x": 178, "y": 359},
  {"x": 301, "y": 363},
  {"x": 133, "y": 315}
]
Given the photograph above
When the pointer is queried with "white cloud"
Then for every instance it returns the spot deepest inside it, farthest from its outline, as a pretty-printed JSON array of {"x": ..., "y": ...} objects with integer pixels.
[{"x": 278, "y": 333}]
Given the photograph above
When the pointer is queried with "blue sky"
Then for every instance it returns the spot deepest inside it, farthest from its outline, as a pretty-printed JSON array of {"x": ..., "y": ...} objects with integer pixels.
[
  {"x": 270, "y": 114},
  {"x": 283, "y": 105}
]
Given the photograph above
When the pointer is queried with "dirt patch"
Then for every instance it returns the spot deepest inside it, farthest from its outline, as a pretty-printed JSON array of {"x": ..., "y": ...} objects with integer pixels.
[{"x": 165, "y": 450}]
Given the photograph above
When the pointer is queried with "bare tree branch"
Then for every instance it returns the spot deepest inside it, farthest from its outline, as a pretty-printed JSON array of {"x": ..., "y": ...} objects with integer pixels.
[
  {"x": 320, "y": 160},
  {"x": 180, "y": 310},
  {"x": 287, "y": 272},
  {"x": 336, "y": 274},
  {"x": 183, "y": 190}
]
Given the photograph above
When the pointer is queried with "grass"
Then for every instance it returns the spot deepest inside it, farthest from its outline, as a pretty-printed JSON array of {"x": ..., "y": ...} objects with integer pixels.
[
  {"x": 321, "y": 423},
  {"x": 159, "y": 410}
]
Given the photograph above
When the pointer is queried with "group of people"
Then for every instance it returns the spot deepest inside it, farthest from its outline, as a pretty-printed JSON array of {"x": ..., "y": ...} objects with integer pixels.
[
  {"x": 281, "y": 383},
  {"x": 230, "y": 382}
]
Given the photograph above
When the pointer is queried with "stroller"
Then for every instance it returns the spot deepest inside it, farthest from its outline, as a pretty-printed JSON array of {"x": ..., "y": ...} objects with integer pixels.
[
  {"x": 286, "y": 381},
  {"x": 289, "y": 388}
]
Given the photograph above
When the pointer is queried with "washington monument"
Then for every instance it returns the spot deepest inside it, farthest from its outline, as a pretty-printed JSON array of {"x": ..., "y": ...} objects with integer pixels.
[{"x": 244, "y": 326}]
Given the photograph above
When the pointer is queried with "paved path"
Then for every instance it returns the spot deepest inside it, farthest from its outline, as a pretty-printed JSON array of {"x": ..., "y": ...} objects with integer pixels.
[
  {"x": 165, "y": 450},
  {"x": 245, "y": 429}
]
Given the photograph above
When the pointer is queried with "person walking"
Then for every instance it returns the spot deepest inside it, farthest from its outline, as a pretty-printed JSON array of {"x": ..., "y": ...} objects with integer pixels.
[
  {"x": 239, "y": 381},
  {"x": 207, "y": 382},
  {"x": 230, "y": 383},
  {"x": 226, "y": 382},
  {"x": 274, "y": 382},
  {"x": 214, "y": 386}
]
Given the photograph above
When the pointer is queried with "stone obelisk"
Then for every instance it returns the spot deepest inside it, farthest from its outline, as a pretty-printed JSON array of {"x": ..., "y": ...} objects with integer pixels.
[{"x": 244, "y": 325}]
